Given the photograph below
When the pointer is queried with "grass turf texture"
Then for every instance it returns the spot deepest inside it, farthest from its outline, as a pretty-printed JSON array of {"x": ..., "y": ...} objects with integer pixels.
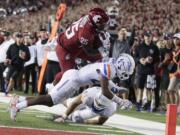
[
  {"x": 30, "y": 118},
  {"x": 157, "y": 117}
]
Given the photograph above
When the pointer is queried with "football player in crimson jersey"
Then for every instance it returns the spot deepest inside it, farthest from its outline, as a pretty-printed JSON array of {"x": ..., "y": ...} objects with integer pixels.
[{"x": 81, "y": 40}]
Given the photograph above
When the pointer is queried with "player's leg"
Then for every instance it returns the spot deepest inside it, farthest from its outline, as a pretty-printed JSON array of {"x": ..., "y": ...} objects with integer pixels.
[
  {"x": 141, "y": 80},
  {"x": 63, "y": 90},
  {"x": 66, "y": 62},
  {"x": 171, "y": 90},
  {"x": 9, "y": 79},
  {"x": 103, "y": 115},
  {"x": 68, "y": 85},
  {"x": 58, "y": 93},
  {"x": 18, "y": 103}
]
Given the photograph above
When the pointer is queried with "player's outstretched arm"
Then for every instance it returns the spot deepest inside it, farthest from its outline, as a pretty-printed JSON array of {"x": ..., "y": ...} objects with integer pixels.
[
  {"x": 73, "y": 105},
  {"x": 99, "y": 121},
  {"x": 106, "y": 92},
  {"x": 105, "y": 89}
]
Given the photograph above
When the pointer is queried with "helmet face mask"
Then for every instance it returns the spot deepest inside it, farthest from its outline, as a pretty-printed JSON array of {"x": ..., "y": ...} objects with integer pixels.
[
  {"x": 101, "y": 26},
  {"x": 125, "y": 66},
  {"x": 123, "y": 76}
]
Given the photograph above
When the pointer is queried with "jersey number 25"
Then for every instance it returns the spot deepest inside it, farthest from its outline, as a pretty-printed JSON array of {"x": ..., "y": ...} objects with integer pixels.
[{"x": 70, "y": 32}]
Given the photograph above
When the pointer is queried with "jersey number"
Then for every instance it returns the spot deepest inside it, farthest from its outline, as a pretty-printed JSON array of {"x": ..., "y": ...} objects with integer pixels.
[{"x": 70, "y": 32}]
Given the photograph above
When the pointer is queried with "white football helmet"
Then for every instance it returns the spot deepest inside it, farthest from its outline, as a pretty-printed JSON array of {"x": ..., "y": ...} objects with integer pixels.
[{"x": 125, "y": 66}]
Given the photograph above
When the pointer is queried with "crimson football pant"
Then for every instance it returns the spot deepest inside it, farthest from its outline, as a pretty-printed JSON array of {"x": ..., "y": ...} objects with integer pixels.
[{"x": 67, "y": 60}]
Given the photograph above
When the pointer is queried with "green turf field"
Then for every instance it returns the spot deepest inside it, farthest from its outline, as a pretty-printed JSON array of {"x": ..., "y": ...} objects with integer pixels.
[
  {"x": 158, "y": 117},
  {"x": 37, "y": 119}
]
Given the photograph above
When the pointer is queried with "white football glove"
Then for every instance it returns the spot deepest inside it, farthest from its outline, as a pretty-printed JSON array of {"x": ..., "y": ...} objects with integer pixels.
[
  {"x": 125, "y": 104},
  {"x": 61, "y": 118}
]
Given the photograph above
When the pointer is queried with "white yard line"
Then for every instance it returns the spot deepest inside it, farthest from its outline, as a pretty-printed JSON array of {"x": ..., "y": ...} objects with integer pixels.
[
  {"x": 44, "y": 116},
  {"x": 108, "y": 130},
  {"x": 145, "y": 127}
]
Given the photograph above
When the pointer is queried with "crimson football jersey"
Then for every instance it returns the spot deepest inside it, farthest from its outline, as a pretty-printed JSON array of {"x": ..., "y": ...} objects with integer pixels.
[{"x": 80, "y": 33}]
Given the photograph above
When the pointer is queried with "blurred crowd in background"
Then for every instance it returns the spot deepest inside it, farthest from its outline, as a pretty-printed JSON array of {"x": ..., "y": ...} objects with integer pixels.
[{"x": 132, "y": 23}]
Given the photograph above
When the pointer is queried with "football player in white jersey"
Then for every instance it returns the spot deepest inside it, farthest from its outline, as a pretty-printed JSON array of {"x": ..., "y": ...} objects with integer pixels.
[
  {"x": 90, "y": 104},
  {"x": 73, "y": 79}
]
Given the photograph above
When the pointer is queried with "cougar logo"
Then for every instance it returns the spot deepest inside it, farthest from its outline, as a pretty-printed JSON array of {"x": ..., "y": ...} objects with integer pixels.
[{"x": 96, "y": 18}]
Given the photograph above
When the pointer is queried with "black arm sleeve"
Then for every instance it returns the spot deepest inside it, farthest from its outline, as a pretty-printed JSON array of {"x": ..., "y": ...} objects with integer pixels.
[
  {"x": 131, "y": 39},
  {"x": 8, "y": 53},
  {"x": 156, "y": 55},
  {"x": 136, "y": 55},
  {"x": 27, "y": 54}
]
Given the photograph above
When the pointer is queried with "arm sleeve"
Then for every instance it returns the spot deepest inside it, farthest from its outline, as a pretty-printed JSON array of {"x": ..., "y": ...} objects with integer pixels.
[
  {"x": 136, "y": 55},
  {"x": 8, "y": 54},
  {"x": 106, "y": 71},
  {"x": 116, "y": 89},
  {"x": 131, "y": 39},
  {"x": 157, "y": 54},
  {"x": 27, "y": 54}
]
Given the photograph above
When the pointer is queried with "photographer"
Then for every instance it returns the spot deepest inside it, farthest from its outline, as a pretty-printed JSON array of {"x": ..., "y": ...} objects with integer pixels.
[
  {"x": 17, "y": 54},
  {"x": 146, "y": 56}
]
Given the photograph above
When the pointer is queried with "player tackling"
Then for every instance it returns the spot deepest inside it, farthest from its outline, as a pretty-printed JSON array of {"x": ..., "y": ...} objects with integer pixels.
[{"x": 96, "y": 73}]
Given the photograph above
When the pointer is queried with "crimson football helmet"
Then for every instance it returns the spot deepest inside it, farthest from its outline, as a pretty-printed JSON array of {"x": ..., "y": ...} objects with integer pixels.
[{"x": 98, "y": 17}]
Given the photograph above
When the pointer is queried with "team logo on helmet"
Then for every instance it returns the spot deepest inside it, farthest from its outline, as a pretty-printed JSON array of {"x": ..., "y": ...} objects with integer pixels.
[
  {"x": 96, "y": 18},
  {"x": 125, "y": 66}
]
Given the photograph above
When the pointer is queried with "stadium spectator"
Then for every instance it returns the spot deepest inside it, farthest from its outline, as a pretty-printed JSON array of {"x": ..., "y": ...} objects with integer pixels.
[
  {"x": 17, "y": 54},
  {"x": 165, "y": 49},
  {"x": 174, "y": 84},
  {"x": 30, "y": 66},
  {"x": 113, "y": 13},
  {"x": 2, "y": 67},
  {"x": 52, "y": 63},
  {"x": 146, "y": 56},
  {"x": 41, "y": 44},
  {"x": 40, "y": 47},
  {"x": 7, "y": 41},
  {"x": 123, "y": 45}
]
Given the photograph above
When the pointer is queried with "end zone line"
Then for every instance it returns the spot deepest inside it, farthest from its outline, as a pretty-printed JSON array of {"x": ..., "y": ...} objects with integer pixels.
[{"x": 92, "y": 126}]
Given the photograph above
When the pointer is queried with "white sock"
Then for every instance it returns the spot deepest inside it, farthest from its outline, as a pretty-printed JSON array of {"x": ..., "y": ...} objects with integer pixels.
[
  {"x": 21, "y": 105},
  {"x": 20, "y": 99}
]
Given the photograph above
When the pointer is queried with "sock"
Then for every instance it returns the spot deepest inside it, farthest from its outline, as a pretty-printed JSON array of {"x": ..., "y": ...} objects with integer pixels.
[
  {"x": 21, "y": 105},
  {"x": 20, "y": 99},
  {"x": 139, "y": 102}
]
